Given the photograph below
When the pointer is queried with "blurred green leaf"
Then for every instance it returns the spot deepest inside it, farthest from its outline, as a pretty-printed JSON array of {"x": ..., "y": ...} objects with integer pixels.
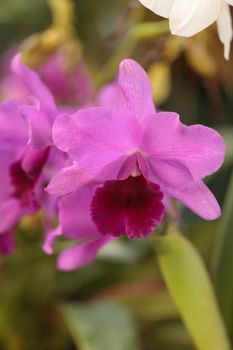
[
  {"x": 121, "y": 251},
  {"x": 172, "y": 334},
  {"x": 20, "y": 18},
  {"x": 227, "y": 132},
  {"x": 156, "y": 307},
  {"x": 100, "y": 326},
  {"x": 191, "y": 289},
  {"x": 202, "y": 235},
  {"x": 15, "y": 8},
  {"x": 223, "y": 260}
]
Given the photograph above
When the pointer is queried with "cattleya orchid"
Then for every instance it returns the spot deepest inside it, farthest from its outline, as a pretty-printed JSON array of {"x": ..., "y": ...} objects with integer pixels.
[
  {"x": 188, "y": 17},
  {"x": 125, "y": 158}
]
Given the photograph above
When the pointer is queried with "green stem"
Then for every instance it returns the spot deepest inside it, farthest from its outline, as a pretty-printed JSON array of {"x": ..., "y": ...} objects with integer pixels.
[
  {"x": 150, "y": 30},
  {"x": 63, "y": 14}
]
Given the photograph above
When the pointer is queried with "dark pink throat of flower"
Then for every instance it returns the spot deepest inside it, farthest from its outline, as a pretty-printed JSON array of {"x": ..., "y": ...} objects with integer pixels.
[
  {"x": 22, "y": 186},
  {"x": 131, "y": 207},
  {"x": 20, "y": 181},
  {"x": 23, "y": 182}
]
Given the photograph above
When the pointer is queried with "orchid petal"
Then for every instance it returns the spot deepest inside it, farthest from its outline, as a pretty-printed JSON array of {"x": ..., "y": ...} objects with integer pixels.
[
  {"x": 225, "y": 32},
  {"x": 7, "y": 156},
  {"x": 50, "y": 238},
  {"x": 9, "y": 214},
  {"x": 137, "y": 89},
  {"x": 195, "y": 195},
  {"x": 69, "y": 179},
  {"x": 34, "y": 84},
  {"x": 7, "y": 244},
  {"x": 188, "y": 17},
  {"x": 13, "y": 129},
  {"x": 192, "y": 150},
  {"x": 198, "y": 198},
  {"x": 169, "y": 171},
  {"x": 160, "y": 7},
  {"x": 40, "y": 115},
  {"x": 95, "y": 137},
  {"x": 74, "y": 215},
  {"x": 81, "y": 255},
  {"x": 33, "y": 162},
  {"x": 111, "y": 96},
  {"x": 39, "y": 129}
]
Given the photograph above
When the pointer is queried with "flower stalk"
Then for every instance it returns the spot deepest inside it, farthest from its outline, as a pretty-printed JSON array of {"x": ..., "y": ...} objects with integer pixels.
[{"x": 38, "y": 47}]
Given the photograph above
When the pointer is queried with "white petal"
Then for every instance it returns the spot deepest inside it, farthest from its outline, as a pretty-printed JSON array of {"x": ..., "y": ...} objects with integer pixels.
[
  {"x": 160, "y": 7},
  {"x": 188, "y": 17},
  {"x": 230, "y": 2},
  {"x": 225, "y": 29}
]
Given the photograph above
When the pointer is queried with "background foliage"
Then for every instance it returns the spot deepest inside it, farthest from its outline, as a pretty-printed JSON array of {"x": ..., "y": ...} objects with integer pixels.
[{"x": 120, "y": 302}]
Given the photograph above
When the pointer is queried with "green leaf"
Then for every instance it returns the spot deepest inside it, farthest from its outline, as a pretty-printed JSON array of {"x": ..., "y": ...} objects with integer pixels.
[
  {"x": 227, "y": 132},
  {"x": 153, "y": 307},
  {"x": 223, "y": 261},
  {"x": 100, "y": 326},
  {"x": 191, "y": 289}
]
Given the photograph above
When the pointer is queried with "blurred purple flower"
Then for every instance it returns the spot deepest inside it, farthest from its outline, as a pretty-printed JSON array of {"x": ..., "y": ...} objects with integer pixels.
[
  {"x": 39, "y": 110},
  {"x": 25, "y": 151},
  {"x": 129, "y": 156},
  {"x": 69, "y": 85},
  {"x": 20, "y": 170}
]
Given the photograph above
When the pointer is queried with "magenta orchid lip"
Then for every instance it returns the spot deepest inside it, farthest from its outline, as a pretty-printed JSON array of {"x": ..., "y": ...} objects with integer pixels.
[{"x": 131, "y": 207}]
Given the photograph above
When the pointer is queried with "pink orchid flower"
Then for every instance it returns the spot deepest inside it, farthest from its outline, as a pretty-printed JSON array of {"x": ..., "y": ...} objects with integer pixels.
[{"x": 130, "y": 156}]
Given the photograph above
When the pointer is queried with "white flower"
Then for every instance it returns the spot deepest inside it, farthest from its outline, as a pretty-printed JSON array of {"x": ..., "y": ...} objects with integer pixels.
[{"x": 188, "y": 17}]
